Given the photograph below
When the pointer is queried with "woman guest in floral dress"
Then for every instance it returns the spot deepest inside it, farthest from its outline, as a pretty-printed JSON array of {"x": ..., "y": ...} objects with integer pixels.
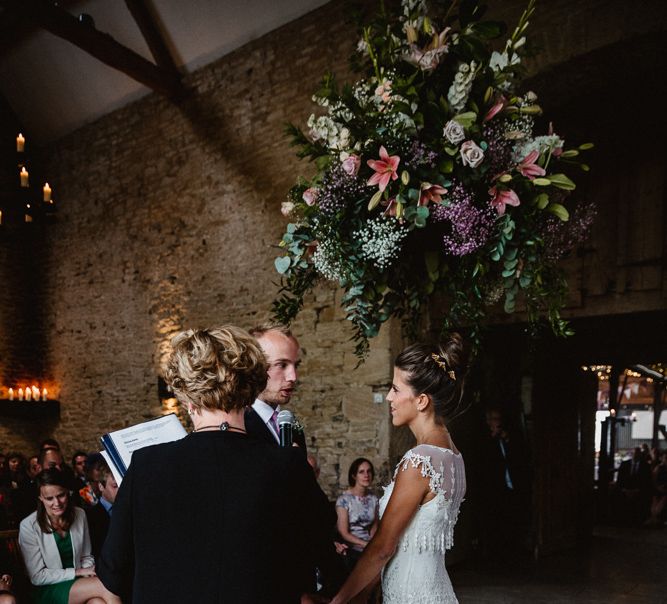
[
  {"x": 420, "y": 507},
  {"x": 357, "y": 510}
]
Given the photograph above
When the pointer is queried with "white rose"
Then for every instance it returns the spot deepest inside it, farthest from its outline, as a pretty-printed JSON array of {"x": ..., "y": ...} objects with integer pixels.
[
  {"x": 453, "y": 132},
  {"x": 471, "y": 154},
  {"x": 286, "y": 208}
]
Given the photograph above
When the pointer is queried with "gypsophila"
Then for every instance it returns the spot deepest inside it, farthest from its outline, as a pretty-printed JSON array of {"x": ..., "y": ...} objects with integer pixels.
[
  {"x": 328, "y": 260},
  {"x": 381, "y": 240}
]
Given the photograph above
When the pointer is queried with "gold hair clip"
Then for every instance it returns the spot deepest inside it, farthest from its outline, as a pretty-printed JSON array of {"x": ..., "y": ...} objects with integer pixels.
[{"x": 440, "y": 361}]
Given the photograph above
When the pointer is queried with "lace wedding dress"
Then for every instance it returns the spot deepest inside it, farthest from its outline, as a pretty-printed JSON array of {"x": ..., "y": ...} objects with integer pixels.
[{"x": 416, "y": 574}]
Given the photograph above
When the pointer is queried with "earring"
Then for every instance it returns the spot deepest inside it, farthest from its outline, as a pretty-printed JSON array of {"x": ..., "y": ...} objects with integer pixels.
[{"x": 190, "y": 411}]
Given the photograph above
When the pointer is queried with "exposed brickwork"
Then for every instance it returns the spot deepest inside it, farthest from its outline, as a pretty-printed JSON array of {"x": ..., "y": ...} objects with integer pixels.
[{"x": 168, "y": 217}]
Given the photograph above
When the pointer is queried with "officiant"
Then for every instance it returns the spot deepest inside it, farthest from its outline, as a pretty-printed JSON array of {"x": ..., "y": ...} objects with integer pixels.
[{"x": 209, "y": 518}]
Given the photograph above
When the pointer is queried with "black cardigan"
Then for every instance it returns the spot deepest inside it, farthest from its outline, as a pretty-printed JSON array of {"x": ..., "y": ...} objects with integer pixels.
[{"x": 216, "y": 517}]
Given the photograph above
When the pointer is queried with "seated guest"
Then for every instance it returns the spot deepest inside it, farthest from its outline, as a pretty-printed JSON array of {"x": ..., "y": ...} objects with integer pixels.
[
  {"x": 89, "y": 494},
  {"x": 99, "y": 515},
  {"x": 6, "y": 595},
  {"x": 357, "y": 510},
  {"x": 56, "y": 548},
  {"x": 79, "y": 468},
  {"x": 16, "y": 470},
  {"x": 216, "y": 516}
]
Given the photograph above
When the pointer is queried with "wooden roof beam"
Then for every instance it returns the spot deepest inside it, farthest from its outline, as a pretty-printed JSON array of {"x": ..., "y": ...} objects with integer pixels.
[
  {"x": 101, "y": 46},
  {"x": 156, "y": 43}
]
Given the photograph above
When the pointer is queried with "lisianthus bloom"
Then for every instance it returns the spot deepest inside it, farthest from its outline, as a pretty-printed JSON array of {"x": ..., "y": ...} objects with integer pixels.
[
  {"x": 502, "y": 198},
  {"x": 386, "y": 169},
  {"x": 384, "y": 91},
  {"x": 351, "y": 165},
  {"x": 286, "y": 208},
  {"x": 430, "y": 193},
  {"x": 528, "y": 168},
  {"x": 310, "y": 196}
]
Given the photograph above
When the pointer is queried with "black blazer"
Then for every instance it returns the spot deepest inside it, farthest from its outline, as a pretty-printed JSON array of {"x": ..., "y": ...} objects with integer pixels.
[
  {"x": 216, "y": 517},
  {"x": 256, "y": 428},
  {"x": 98, "y": 527}
]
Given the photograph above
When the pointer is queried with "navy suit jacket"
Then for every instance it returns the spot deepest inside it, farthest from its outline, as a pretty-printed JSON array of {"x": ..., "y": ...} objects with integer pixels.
[{"x": 216, "y": 517}]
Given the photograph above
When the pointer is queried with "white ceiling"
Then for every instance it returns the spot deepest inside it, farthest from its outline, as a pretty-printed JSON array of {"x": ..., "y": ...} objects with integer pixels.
[{"x": 55, "y": 87}]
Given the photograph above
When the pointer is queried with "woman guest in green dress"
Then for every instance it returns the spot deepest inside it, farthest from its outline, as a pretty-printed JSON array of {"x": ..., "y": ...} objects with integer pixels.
[{"x": 56, "y": 548}]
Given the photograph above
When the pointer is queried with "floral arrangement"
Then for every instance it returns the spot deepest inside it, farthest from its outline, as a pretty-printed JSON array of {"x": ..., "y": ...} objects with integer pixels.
[{"x": 433, "y": 185}]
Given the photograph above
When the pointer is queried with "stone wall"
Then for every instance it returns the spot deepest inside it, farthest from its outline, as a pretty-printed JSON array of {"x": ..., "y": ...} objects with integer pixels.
[{"x": 169, "y": 216}]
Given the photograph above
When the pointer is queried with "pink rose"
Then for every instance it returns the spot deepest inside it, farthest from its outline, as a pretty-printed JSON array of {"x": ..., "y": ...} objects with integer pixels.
[
  {"x": 310, "y": 196},
  {"x": 351, "y": 165},
  {"x": 471, "y": 154}
]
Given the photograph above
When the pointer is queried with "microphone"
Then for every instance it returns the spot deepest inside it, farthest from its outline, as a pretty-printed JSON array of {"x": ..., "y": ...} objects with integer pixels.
[{"x": 285, "y": 421}]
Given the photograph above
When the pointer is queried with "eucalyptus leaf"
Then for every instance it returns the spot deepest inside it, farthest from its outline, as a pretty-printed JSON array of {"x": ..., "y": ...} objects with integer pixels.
[
  {"x": 541, "y": 182},
  {"x": 282, "y": 264},
  {"x": 586, "y": 146}
]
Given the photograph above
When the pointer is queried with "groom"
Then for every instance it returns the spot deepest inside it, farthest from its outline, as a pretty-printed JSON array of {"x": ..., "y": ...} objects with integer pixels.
[{"x": 283, "y": 354}]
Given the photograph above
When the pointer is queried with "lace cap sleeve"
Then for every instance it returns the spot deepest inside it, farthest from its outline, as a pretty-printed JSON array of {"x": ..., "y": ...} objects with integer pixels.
[{"x": 421, "y": 458}]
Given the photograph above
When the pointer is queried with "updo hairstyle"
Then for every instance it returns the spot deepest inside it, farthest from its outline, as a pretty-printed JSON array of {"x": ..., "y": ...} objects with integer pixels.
[
  {"x": 438, "y": 371},
  {"x": 221, "y": 368}
]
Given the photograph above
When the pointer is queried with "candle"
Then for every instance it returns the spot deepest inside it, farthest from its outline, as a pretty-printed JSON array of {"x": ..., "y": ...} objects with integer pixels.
[
  {"x": 28, "y": 394},
  {"x": 20, "y": 143},
  {"x": 35, "y": 393},
  {"x": 11, "y": 394},
  {"x": 20, "y": 394},
  {"x": 45, "y": 393},
  {"x": 47, "y": 192},
  {"x": 24, "y": 177}
]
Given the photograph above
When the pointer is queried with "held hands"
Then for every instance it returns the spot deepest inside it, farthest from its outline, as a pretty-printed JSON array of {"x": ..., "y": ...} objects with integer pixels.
[
  {"x": 85, "y": 572},
  {"x": 341, "y": 548}
]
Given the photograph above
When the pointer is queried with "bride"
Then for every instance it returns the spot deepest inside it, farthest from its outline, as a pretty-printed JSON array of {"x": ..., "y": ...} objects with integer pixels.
[{"x": 419, "y": 508}]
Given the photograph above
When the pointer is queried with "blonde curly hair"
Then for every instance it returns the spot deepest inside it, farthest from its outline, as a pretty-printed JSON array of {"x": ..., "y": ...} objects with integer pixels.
[{"x": 218, "y": 368}]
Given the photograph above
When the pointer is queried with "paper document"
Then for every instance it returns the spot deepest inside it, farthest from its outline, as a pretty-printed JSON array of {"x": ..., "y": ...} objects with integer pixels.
[{"x": 120, "y": 445}]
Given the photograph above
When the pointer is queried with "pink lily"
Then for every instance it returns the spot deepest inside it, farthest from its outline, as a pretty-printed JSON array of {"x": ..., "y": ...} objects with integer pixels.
[
  {"x": 502, "y": 198},
  {"x": 430, "y": 193},
  {"x": 529, "y": 168},
  {"x": 385, "y": 169},
  {"x": 391, "y": 206},
  {"x": 497, "y": 108}
]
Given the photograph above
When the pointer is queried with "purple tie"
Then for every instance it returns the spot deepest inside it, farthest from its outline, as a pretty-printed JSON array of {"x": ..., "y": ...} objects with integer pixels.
[{"x": 274, "y": 421}]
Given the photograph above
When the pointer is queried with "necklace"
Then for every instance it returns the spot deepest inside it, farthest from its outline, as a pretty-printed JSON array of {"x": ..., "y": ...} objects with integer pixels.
[{"x": 223, "y": 427}]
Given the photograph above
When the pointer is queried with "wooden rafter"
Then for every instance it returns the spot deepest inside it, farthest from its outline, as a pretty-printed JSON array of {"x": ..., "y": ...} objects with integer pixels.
[
  {"x": 15, "y": 26},
  {"x": 100, "y": 45},
  {"x": 145, "y": 20}
]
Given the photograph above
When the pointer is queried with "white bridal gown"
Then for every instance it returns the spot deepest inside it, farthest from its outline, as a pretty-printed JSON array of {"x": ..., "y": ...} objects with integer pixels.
[{"x": 417, "y": 574}]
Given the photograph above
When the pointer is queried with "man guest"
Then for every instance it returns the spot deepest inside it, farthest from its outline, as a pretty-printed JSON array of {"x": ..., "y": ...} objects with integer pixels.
[{"x": 99, "y": 515}]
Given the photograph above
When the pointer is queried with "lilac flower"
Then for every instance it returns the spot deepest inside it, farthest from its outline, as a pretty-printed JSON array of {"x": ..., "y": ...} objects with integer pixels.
[
  {"x": 471, "y": 226},
  {"x": 560, "y": 237},
  {"x": 418, "y": 154},
  {"x": 339, "y": 189}
]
